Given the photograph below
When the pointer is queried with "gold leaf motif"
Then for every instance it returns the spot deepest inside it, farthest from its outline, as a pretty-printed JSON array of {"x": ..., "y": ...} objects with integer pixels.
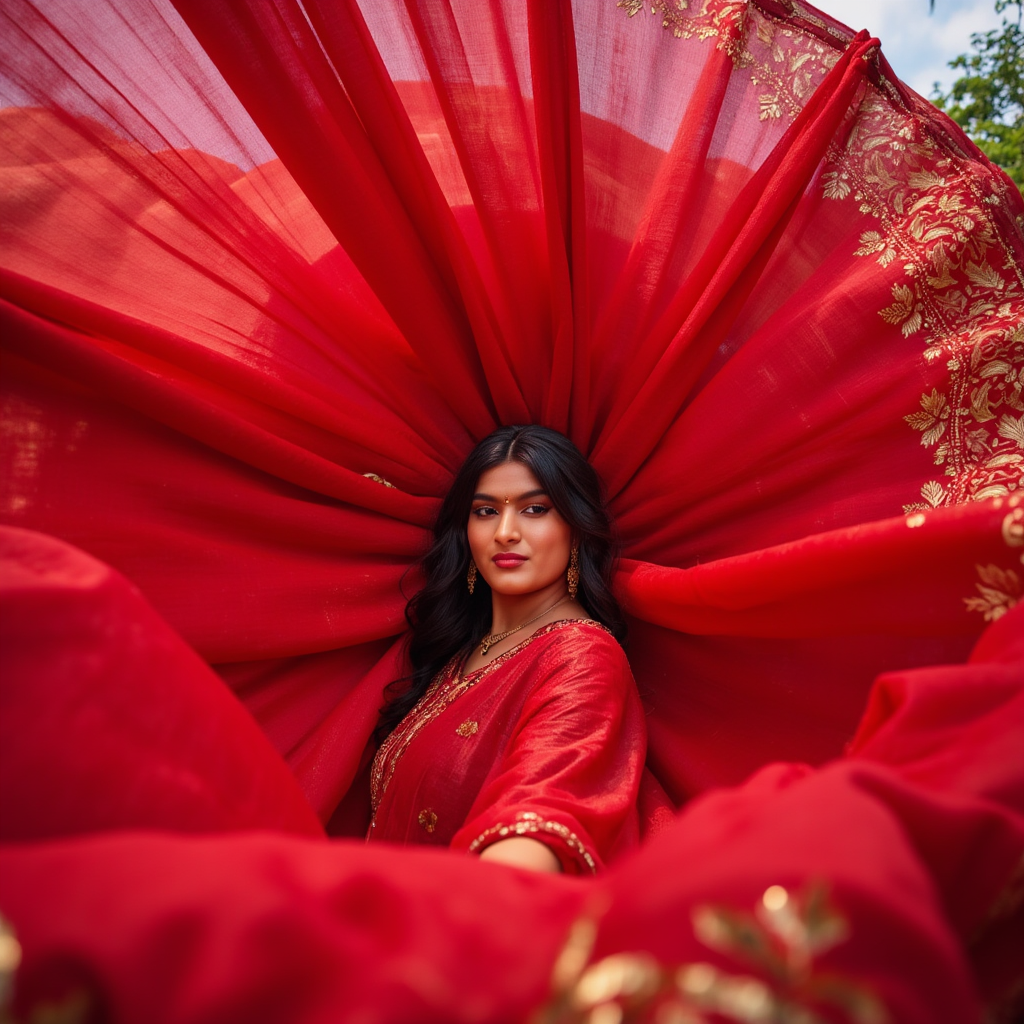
[
  {"x": 770, "y": 106},
  {"x": 782, "y": 940},
  {"x": 933, "y": 493},
  {"x": 984, "y": 276},
  {"x": 995, "y": 368},
  {"x": 912, "y": 324},
  {"x": 836, "y": 186},
  {"x": 925, "y": 179},
  {"x": 981, "y": 407},
  {"x": 1000, "y": 590},
  {"x": 901, "y": 308},
  {"x": 870, "y": 242},
  {"x": 1012, "y": 429}
]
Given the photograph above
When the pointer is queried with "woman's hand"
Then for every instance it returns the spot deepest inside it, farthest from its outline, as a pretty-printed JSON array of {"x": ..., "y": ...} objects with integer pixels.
[{"x": 522, "y": 852}]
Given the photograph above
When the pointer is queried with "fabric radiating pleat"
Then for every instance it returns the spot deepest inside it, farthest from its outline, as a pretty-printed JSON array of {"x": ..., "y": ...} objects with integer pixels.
[{"x": 434, "y": 218}]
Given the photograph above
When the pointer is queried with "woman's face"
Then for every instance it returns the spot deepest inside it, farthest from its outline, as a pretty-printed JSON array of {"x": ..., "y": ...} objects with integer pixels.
[{"x": 519, "y": 541}]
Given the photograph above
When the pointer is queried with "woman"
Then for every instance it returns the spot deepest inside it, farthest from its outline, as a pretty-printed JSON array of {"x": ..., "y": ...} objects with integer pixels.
[{"x": 521, "y": 736}]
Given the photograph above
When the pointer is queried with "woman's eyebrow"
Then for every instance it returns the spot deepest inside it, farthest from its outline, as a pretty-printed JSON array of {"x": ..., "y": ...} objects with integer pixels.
[{"x": 538, "y": 493}]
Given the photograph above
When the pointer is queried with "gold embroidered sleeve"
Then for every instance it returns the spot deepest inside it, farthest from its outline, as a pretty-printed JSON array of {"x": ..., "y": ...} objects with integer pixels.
[{"x": 528, "y": 823}]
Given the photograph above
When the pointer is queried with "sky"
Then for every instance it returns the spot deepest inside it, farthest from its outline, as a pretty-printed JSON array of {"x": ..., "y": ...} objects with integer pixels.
[{"x": 916, "y": 44}]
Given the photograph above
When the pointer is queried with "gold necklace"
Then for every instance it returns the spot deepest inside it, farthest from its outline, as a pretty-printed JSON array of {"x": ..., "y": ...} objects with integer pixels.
[{"x": 489, "y": 641}]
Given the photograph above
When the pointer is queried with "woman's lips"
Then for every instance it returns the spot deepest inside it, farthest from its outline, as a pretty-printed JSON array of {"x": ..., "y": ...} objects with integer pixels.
[{"x": 508, "y": 561}]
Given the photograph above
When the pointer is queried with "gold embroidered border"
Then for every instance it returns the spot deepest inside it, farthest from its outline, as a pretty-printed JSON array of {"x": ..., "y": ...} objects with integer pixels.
[
  {"x": 787, "y": 62},
  {"x": 528, "y": 822},
  {"x": 447, "y": 686},
  {"x": 957, "y": 286}
]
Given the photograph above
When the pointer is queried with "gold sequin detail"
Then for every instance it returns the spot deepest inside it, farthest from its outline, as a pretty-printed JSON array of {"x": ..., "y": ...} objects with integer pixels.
[
  {"x": 468, "y": 728},
  {"x": 527, "y": 822},
  {"x": 428, "y": 819},
  {"x": 379, "y": 480}
]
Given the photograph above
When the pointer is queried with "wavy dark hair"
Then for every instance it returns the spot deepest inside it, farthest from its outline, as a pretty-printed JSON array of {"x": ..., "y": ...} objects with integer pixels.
[{"x": 444, "y": 617}]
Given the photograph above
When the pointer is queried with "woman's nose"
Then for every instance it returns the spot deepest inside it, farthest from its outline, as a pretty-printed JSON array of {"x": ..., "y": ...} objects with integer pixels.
[{"x": 507, "y": 526}]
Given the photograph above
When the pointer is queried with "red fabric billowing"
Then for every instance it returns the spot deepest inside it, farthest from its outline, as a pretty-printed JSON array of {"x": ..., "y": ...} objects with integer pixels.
[
  {"x": 260, "y": 261},
  {"x": 108, "y": 720}
]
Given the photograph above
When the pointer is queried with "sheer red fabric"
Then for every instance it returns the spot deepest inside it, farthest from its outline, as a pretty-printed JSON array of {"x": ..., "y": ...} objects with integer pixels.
[{"x": 269, "y": 270}]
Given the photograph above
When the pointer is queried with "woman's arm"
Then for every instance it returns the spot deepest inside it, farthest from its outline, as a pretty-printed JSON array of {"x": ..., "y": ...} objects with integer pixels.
[
  {"x": 569, "y": 775},
  {"x": 522, "y": 852}
]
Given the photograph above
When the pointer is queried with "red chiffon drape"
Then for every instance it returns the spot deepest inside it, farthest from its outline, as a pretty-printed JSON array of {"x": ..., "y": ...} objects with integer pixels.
[{"x": 269, "y": 270}]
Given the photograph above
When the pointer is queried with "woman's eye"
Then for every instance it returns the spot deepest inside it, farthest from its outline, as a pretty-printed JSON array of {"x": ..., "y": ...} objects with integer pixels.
[
  {"x": 536, "y": 510},
  {"x": 484, "y": 510}
]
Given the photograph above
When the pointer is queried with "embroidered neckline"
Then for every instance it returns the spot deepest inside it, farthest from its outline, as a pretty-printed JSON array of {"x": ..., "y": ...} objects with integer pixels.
[{"x": 479, "y": 673}]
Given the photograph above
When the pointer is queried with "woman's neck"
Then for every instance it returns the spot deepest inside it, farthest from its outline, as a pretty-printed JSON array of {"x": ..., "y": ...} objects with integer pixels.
[{"x": 511, "y": 610}]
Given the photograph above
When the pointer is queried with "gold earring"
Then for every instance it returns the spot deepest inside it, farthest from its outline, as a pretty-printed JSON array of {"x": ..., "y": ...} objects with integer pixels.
[
  {"x": 572, "y": 574},
  {"x": 471, "y": 576}
]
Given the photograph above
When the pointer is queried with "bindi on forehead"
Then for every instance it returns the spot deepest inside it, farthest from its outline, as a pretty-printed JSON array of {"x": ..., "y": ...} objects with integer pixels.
[
  {"x": 537, "y": 492},
  {"x": 506, "y": 483}
]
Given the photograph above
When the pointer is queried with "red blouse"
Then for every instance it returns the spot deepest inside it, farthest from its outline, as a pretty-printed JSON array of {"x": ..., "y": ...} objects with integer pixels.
[{"x": 547, "y": 741}]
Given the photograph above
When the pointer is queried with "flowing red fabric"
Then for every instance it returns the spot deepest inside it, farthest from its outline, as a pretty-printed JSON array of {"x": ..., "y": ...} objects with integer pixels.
[{"x": 270, "y": 269}]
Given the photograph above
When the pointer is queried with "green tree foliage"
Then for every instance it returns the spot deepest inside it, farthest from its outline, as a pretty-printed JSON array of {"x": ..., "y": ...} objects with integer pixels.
[{"x": 987, "y": 100}]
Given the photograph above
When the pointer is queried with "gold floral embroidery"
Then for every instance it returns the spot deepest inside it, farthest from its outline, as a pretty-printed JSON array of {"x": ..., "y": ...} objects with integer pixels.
[
  {"x": 783, "y": 937},
  {"x": 787, "y": 62},
  {"x": 527, "y": 822},
  {"x": 427, "y": 819},
  {"x": 956, "y": 282},
  {"x": 960, "y": 288},
  {"x": 706, "y": 19},
  {"x": 467, "y": 729}
]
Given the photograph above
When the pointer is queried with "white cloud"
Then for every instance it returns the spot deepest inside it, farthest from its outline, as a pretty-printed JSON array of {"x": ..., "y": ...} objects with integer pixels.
[{"x": 919, "y": 46}]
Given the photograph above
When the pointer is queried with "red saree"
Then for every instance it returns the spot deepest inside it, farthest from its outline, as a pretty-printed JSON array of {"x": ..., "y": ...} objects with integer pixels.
[
  {"x": 268, "y": 270},
  {"x": 547, "y": 740}
]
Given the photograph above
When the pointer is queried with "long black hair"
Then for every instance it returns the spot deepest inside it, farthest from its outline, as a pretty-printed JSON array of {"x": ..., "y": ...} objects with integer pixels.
[{"x": 444, "y": 617}]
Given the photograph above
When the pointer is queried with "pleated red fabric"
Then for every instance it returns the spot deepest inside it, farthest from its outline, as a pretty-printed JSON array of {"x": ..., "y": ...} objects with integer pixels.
[{"x": 269, "y": 270}]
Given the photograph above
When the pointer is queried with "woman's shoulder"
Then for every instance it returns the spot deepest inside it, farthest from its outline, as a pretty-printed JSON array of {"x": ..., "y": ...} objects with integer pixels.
[{"x": 586, "y": 639}]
